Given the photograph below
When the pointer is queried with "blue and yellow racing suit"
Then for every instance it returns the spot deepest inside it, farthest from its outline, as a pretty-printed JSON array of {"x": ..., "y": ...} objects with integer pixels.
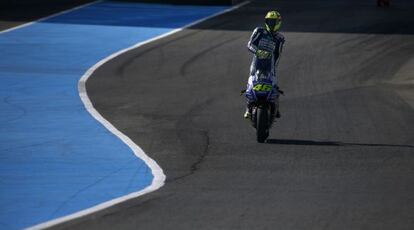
[{"x": 267, "y": 49}]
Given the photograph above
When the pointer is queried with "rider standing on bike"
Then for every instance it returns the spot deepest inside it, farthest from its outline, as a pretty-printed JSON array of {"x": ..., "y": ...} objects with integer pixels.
[{"x": 266, "y": 45}]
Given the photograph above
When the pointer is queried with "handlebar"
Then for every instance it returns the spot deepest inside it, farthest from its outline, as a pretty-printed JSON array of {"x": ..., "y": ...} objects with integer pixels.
[{"x": 279, "y": 90}]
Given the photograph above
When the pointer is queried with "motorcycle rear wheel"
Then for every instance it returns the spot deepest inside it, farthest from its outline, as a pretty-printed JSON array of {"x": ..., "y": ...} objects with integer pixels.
[{"x": 262, "y": 120}]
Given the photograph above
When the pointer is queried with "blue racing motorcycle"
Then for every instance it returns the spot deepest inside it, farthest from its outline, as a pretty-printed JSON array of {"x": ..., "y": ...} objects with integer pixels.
[{"x": 261, "y": 94}]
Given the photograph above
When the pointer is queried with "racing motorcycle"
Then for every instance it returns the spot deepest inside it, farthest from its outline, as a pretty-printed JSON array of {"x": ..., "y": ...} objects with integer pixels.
[{"x": 261, "y": 92}]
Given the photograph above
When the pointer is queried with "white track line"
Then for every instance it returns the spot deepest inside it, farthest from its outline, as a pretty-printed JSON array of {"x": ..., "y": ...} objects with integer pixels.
[
  {"x": 159, "y": 177},
  {"x": 50, "y": 16}
]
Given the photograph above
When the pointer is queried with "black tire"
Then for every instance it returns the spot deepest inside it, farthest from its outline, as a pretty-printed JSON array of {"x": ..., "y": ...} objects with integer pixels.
[{"x": 261, "y": 126}]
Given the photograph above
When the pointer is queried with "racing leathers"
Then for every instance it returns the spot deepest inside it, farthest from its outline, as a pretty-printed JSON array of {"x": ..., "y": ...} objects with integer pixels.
[{"x": 267, "y": 48}]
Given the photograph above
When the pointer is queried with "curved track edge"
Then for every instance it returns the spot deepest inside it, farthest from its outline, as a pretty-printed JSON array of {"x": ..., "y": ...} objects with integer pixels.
[{"x": 159, "y": 176}]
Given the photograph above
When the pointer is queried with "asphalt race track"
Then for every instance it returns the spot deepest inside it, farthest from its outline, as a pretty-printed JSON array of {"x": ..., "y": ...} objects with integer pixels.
[
  {"x": 56, "y": 159},
  {"x": 341, "y": 156}
]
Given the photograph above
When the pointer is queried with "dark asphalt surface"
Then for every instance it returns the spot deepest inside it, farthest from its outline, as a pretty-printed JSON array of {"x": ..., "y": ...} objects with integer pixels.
[{"x": 341, "y": 156}]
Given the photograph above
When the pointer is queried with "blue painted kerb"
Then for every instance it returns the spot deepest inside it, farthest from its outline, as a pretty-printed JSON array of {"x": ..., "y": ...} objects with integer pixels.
[{"x": 55, "y": 159}]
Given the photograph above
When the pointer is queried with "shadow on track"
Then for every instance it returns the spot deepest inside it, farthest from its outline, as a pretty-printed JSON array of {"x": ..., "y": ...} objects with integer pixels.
[{"x": 328, "y": 143}]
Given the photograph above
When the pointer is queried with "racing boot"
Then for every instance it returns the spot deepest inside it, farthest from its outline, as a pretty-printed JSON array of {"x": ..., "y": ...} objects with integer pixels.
[
  {"x": 277, "y": 115},
  {"x": 248, "y": 113}
]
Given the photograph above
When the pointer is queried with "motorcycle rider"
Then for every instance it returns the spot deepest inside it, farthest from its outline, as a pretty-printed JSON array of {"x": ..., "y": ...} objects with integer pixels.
[{"x": 266, "y": 45}]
